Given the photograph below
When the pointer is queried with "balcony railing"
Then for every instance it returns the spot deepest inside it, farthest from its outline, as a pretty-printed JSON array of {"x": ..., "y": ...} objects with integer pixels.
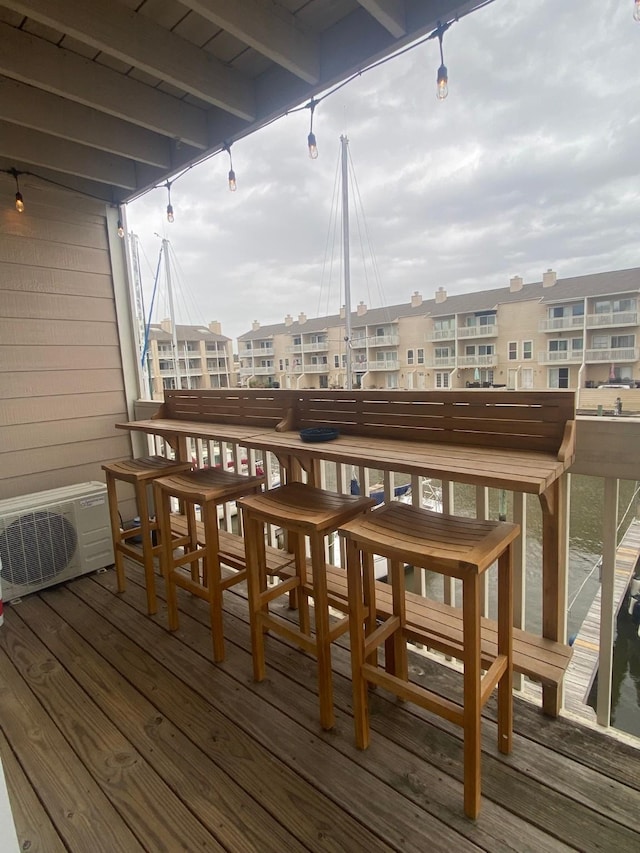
[
  {"x": 614, "y": 318},
  {"x": 478, "y": 331},
  {"x": 255, "y": 352},
  {"x": 358, "y": 343},
  {"x": 564, "y": 356},
  {"x": 383, "y": 341},
  {"x": 315, "y": 368},
  {"x": 375, "y": 365},
  {"x": 442, "y": 361},
  {"x": 441, "y": 335},
  {"x": 558, "y": 324},
  {"x": 257, "y": 371},
  {"x": 611, "y": 355},
  {"x": 478, "y": 360}
]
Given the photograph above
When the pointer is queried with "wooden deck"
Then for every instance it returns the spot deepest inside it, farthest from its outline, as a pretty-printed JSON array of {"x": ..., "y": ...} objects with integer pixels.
[{"x": 117, "y": 736}]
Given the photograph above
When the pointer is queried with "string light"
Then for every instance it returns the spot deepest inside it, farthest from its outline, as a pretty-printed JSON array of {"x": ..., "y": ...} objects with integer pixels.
[
  {"x": 636, "y": 11},
  {"x": 170, "y": 216},
  {"x": 443, "y": 77},
  {"x": 232, "y": 175},
  {"x": 120, "y": 229},
  {"x": 19, "y": 199},
  {"x": 311, "y": 139}
]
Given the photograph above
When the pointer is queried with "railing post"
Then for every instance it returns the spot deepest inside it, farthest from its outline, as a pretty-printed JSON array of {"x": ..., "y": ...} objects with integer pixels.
[{"x": 607, "y": 613}]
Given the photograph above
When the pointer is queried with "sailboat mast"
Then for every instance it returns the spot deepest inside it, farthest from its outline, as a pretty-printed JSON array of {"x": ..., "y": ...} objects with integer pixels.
[
  {"x": 345, "y": 247},
  {"x": 172, "y": 313}
]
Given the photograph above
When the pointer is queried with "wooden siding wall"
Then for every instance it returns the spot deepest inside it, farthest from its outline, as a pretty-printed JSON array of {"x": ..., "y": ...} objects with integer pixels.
[{"x": 61, "y": 376}]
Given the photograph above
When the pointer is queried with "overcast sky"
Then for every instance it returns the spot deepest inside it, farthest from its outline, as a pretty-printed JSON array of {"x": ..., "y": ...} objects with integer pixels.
[{"x": 531, "y": 163}]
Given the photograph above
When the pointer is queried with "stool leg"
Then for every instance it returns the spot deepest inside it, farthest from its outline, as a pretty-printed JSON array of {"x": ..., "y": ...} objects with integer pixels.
[
  {"x": 472, "y": 707},
  {"x": 116, "y": 534},
  {"x": 369, "y": 594},
  {"x": 142, "y": 500},
  {"x": 163, "y": 516},
  {"x": 356, "y": 633},
  {"x": 399, "y": 643},
  {"x": 253, "y": 534},
  {"x": 213, "y": 577},
  {"x": 323, "y": 643},
  {"x": 505, "y": 647},
  {"x": 297, "y": 547}
]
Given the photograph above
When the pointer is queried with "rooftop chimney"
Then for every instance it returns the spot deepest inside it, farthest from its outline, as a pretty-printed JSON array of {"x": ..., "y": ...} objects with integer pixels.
[
  {"x": 302, "y": 318},
  {"x": 549, "y": 278},
  {"x": 441, "y": 295},
  {"x": 416, "y": 299},
  {"x": 343, "y": 312},
  {"x": 288, "y": 320},
  {"x": 215, "y": 327},
  {"x": 255, "y": 326},
  {"x": 515, "y": 283},
  {"x": 362, "y": 309},
  {"x": 165, "y": 325}
]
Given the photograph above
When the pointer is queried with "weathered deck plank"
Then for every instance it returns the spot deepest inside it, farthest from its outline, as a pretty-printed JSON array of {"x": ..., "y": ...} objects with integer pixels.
[{"x": 249, "y": 762}]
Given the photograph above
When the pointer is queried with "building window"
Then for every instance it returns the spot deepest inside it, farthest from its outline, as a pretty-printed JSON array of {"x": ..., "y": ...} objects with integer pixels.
[
  {"x": 527, "y": 350},
  {"x": 526, "y": 378},
  {"x": 622, "y": 341},
  {"x": 513, "y": 351},
  {"x": 410, "y": 356},
  {"x": 442, "y": 380},
  {"x": 169, "y": 383},
  {"x": 336, "y": 361},
  {"x": 420, "y": 358},
  {"x": 558, "y": 346},
  {"x": 281, "y": 363}
]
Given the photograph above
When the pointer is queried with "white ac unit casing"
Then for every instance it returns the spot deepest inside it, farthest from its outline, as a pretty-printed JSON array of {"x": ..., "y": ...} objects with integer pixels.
[{"x": 50, "y": 537}]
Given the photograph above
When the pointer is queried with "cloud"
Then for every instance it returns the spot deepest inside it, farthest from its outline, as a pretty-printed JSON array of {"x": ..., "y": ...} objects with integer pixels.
[{"x": 530, "y": 163}]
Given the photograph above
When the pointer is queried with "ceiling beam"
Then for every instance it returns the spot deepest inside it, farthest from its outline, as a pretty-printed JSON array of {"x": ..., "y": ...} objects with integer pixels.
[
  {"x": 40, "y": 110},
  {"x": 130, "y": 37},
  {"x": 39, "y": 63},
  {"x": 25, "y": 146},
  {"x": 389, "y": 13},
  {"x": 267, "y": 28}
]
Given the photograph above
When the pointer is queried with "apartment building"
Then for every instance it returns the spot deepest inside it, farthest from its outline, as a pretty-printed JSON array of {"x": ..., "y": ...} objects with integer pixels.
[
  {"x": 196, "y": 357},
  {"x": 576, "y": 332}
]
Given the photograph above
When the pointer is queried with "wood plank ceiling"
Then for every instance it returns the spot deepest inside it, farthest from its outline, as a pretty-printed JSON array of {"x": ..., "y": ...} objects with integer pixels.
[{"x": 113, "y": 97}]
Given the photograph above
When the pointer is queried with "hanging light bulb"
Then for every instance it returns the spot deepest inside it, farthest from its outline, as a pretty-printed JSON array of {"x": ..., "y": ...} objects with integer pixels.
[
  {"x": 232, "y": 175},
  {"x": 19, "y": 199},
  {"x": 170, "y": 216},
  {"x": 311, "y": 139},
  {"x": 120, "y": 229},
  {"x": 443, "y": 77},
  {"x": 636, "y": 11},
  {"x": 443, "y": 83}
]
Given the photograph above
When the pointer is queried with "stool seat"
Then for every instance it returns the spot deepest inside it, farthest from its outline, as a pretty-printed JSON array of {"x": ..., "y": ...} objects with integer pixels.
[
  {"x": 207, "y": 488},
  {"x": 462, "y": 548},
  {"x": 304, "y": 512},
  {"x": 140, "y": 473}
]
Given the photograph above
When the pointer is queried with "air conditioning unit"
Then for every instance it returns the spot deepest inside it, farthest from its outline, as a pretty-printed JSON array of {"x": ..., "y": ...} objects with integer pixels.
[{"x": 50, "y": 537}]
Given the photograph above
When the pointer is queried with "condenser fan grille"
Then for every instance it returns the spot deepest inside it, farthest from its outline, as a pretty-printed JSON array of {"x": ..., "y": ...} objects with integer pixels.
[{"x": 36, "y": 547}]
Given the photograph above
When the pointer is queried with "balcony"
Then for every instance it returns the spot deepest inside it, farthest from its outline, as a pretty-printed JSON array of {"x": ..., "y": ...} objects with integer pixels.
[
  {"x": 611, "y": 355},
  {"x": 489, "y": 331},
  {"x": 560, "y": 324},
  {"x": 616, "y": 318},
  {"x": 376, "y": 366},
  {"x": 447, "y": 361},
  {"x": 256, "y": 352},
  {"x": 478, "y": 360},
  {"x": 560, "y": 356},
  {"x": 358, "y": 343},
  {"x": 315, "y": 368},
  {"x": 383, "y": 341},
  {"x": 441, "y": 335},
  {"x": 257, "y": 371}
]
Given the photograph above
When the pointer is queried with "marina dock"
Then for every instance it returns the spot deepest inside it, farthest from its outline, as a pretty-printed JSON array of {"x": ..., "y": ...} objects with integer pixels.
[{"x": 584, "y": 664}]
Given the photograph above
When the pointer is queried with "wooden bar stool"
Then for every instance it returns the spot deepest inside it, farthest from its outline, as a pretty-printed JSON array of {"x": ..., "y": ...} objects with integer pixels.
[
  {"x": 462, "y": 548},
  {"x": 140, "y": 473},
  {"x": 208, "y": 488},
  {"x": 304, "y": 512}
]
